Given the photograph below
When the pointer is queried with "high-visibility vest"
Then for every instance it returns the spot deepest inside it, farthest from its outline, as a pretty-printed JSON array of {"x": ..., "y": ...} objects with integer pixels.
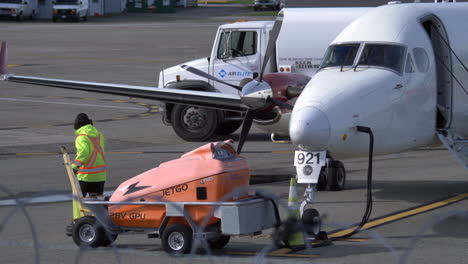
[{"x": 93, "y": 167}]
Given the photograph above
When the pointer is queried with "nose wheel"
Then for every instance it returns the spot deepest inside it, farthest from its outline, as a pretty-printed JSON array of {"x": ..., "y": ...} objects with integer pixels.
[{"x": 332, "y": 177}]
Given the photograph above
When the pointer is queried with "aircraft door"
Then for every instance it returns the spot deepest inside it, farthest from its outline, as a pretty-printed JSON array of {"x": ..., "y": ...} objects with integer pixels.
[{"x": 237, "y": 56}]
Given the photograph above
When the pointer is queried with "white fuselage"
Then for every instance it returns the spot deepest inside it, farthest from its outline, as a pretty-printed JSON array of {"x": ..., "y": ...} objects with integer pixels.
[{"x": 400, "y": 106}]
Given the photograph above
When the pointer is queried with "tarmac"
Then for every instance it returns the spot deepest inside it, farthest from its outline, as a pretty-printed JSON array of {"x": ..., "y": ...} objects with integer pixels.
[{"x": 420, "y": 197}]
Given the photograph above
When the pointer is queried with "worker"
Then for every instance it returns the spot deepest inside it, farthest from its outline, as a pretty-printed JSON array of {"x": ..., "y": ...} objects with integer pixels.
[{"x": 89, "y": 165}]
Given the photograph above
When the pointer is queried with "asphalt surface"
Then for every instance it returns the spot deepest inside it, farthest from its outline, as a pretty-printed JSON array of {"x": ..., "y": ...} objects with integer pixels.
[{"x": 35, "y": 122}]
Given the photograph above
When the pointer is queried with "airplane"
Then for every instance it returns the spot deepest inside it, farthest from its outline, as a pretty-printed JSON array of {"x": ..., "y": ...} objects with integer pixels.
[{"x": 397, "y": 70}]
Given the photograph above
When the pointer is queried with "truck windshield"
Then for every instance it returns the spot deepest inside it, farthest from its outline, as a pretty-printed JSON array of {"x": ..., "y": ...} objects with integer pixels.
[
  {"x": 237, "y": 44},
  {"x": 66, "y": 2},
  {"x": 11, "y": 1},
  {"x": 388, "y": 56},
  {"x": 340, "y": 55}
]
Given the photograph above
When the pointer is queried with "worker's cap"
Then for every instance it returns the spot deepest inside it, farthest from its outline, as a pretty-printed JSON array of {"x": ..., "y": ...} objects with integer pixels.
[{"x": 82, "y": 119}]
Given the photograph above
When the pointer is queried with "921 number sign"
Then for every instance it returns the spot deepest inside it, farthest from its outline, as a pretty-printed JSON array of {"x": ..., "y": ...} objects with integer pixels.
[{"x": 308, "y": 165}]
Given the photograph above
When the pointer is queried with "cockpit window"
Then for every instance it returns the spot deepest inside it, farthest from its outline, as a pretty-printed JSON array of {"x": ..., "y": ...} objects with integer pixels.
[
  {"x": 383, "y": 55},
  {"x": 340, "y": 55}
]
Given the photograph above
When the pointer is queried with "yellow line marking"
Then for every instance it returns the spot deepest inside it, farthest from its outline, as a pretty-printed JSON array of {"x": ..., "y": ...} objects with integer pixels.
[
  {"x": 119, "y": 101},
  {"x": 13, "y": 65},
  {"x": 142, "y": 104},
  {"x": 120, "y": 118},
  {"x": 154, "y": 106},
  {"x": 353, "y": 240},
  {"x": 145, "y": 114},
  {"x": 405, "y": 214},
  {"x": 154, "y": 111}
]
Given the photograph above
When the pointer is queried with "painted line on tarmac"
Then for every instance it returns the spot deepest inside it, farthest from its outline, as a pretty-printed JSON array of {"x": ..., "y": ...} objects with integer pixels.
[
  {"x": 403, "y": 214},
  {"x": 282, "y": 252},
  {"x": 380, "y": 221},
  {"x": 63, "y": 103},
  {"x": 150, "y": 109},
  {"x": 54, "y": 198}
]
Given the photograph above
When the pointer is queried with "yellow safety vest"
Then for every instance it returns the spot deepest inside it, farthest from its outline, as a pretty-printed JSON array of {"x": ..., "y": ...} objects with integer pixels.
[{"x": 90, "y": 161}]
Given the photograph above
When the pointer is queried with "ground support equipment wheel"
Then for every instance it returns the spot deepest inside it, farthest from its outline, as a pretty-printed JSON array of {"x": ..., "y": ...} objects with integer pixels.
[
  {"x": 194, "y": 123},
  {"x": 336, "y": 176},
  {"x": 219, "y": 242},
  {"x": 87, "y": 232},
  {"x": 312, "y": 222},
  {"x": 177, "y": 239}
]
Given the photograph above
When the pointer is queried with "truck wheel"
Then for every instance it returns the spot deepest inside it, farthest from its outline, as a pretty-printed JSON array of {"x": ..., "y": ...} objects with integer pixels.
[
  {"x": 177, "y": 239},
  {"x": 20, "y": 18},
  {"x": 228, "y": 127},
  {"x": 85, "y": 18},
  {"x": 88, "y": 233},
  {"x": 194, "y": 123},
  {"x": 220, "y": 242},
  {"x": 336, "y": 176},
  {"x": 54, "y": 20}
]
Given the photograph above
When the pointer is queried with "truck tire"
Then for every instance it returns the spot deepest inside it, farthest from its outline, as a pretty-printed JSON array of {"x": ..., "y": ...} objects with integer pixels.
[
  {"x": 85, "y": 18},
  {"x": 20, "y": 18},
  {"x": 54, "y": 20},
  {"x": 177, "y": 239},
  {"x": 220, "y": 242},
  {"x": 228, "y": 127},
  {"x": 194, "y": 123},
  {"x": 87, "y": 233}
]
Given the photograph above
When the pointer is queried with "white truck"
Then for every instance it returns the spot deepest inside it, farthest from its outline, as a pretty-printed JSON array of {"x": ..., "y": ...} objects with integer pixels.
[
  {"x": 73, "y": 10},
  {"x": 18, "y": 9},
  {"x": 237, "y": 54}
]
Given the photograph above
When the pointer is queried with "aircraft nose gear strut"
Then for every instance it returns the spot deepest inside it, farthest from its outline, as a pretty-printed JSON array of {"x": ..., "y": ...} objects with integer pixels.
[{"x": 309, "y": 167}]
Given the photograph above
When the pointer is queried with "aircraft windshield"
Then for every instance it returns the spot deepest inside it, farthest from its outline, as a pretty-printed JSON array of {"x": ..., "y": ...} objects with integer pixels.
[
  {"x": 66, "y": 2},
  {"x": 11, "y": 1},
  {"x": 340, "y": 55},
  {"x": 383, "y": 55}
]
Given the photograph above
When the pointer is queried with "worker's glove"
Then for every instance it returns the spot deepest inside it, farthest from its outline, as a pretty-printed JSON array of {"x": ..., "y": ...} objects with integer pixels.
[{"x": 75, "y": 171}]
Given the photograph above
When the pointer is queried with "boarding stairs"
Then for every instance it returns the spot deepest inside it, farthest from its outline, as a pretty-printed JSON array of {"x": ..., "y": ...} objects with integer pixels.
[{"x": 456, "y": 144}]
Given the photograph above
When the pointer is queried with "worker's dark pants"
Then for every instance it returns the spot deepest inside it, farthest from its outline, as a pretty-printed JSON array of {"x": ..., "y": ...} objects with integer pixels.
[{"x": 91, "y": 188}]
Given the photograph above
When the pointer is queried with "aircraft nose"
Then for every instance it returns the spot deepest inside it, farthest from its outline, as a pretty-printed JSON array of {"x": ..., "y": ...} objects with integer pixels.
[{"x": 309, "y": 128}]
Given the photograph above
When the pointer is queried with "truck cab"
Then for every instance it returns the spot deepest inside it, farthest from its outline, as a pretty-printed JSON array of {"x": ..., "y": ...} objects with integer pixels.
[
  {"x": 18, "y": 9},
  {"x": 72, "y": 10},
  {"x": 236, "y": 58},
  {"x": 236, "y": 55}
]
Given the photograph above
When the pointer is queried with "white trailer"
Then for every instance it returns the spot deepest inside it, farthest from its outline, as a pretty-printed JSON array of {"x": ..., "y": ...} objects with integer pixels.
[
  {"x": 18, "y": 9},
  {"x": 237, "y": 53},
  {"x": 74, "y": 10}
]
